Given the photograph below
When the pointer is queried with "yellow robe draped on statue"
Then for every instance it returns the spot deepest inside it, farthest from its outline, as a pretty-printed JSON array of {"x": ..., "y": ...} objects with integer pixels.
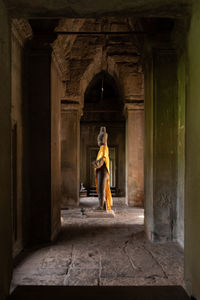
[{"x": 104, "y": 153}]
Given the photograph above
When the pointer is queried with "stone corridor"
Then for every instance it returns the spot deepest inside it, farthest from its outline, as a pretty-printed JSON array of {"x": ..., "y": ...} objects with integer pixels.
[{"x": 102, "y": 252}]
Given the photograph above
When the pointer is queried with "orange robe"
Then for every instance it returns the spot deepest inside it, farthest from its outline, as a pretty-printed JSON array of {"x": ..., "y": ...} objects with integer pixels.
[{"x": 104, "y": 153}]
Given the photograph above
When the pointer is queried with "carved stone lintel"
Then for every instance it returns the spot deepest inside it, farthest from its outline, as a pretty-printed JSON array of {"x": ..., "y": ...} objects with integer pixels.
[
  {"x": 67, "y": 106},
  {"x": 61, "y": 66},
  {"x": 133, "y": 106},
  {"x": 22, "y": 31},
  {"x": 62, "y": 46}
]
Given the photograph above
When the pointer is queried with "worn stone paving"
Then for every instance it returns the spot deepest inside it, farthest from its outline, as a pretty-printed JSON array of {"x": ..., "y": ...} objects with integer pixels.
[{"x": 102, "y": 251}]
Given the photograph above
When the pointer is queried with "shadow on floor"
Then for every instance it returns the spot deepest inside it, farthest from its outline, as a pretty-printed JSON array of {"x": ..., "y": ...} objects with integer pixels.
[
  {"x": 71, "y": 232},
  {"x": 99, "y": 293}
]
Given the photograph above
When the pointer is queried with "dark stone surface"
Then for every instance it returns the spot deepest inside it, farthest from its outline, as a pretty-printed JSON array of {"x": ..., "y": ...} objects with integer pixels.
[
  {"x": 192, "y": 166},
  {"x": 161, "y": 166},
  {"x": 165, "y": 144},
  {"x": 87, "y": 293},
  {"x": 5, "y": 154},
  {"x": 70, "y": 161},
  {"x": 80, "y": 8},
  {"x": 39, "y": 137}
]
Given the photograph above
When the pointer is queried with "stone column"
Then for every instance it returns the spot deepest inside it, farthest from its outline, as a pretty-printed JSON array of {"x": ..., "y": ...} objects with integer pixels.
[
  {"x": 5, "y": 154},
  {"x": 41, "y": 123},
  {"x": 192, "y": 163},
  {"x": 70, "y": 153},
  {"x": 20, "y": 33},
  {"x": 161, "y": 131},
  {"x": 134, "y": 154}
]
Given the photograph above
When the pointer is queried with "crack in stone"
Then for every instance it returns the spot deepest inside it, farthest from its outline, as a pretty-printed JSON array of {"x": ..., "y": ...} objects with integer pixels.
[
  {"x": 153, "y": 276},
  {"x": 157, "y": 262},
  {"x": 100, "y": 270},
  {"x": 70, "y": 266},
  {"x": 129, "y": 257}
]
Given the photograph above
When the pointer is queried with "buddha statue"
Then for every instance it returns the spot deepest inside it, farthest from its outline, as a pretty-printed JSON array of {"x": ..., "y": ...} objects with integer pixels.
[{"x": 101, "y": 167}]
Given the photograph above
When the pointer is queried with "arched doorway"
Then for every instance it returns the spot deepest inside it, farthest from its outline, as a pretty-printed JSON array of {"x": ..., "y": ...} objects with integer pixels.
[{"x": 103, "y": 107}]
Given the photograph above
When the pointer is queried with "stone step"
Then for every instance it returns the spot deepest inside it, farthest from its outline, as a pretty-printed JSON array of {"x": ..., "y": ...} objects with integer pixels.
[{"x": 93, "y": 193}]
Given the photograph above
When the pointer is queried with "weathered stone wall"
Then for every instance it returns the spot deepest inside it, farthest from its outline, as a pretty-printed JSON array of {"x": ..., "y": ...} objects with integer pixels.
[
  {"x": 165, "y": 144},
  {"x": 161, "y": 142},
  {"x": 5, "y": 154},
  {"x": 21, "y": 31},
  {"x": 192, "y": 168},
  {"x": 16, "y": 114},
  {"x": 40, "y": 109},
  {"x": 39, "y": 145},
  {"x": 181, "y": 149},
  {"x": 156, "y": 125},
  {"x": 56, "y": 93},
  {"x": 70, "y": 154},
  {"x": 148, "y": 148},
  {"x": 135, "y": 154}
]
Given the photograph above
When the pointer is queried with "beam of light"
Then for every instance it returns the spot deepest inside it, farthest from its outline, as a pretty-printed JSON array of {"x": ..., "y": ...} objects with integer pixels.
[{"x": 141, "y": 216}]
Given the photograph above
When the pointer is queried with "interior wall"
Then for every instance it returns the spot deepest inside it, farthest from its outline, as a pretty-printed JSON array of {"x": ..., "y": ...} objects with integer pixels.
[
  {"x": 16, "y": 115},
  {"x": 148, "y": 146},
  {"x": 39, "y": 145},
  {"x": 116, "y": 138},
  {"x": 181, "y": 149},
  {"x": 26, "y": 192},
  {"x": 5, "y": 154},
  {"x": 192, "y": 186},
  {"x": 70, "y": 154},
  {"x": 161, "y": 110},
  {"x": 56, "y": 92},
  {"x": 44, "y": 88},
  {"x": 135, "y": 154},
  {"x": 165, "y": 143}
]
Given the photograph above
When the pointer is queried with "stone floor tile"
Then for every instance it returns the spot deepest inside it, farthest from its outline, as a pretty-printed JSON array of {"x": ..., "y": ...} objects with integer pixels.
[{"x": 97, "y": 251}]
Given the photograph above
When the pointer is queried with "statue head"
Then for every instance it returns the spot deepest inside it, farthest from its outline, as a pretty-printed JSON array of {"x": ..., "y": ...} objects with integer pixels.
[{"x": 102, "y": 137}]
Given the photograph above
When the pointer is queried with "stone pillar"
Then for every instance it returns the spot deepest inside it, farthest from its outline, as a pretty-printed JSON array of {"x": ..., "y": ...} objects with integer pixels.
[
  {"x": 5, "y": 154},
  {"x": 43, "y": 226},
  {"x": 70, "y": 153},
  {"x": 40, "y": 139},
  {"x": 134, "y": 154},
  {"x": 192, "y": 162},
  {"x": 57, "y": 90},
  {"x": 161, "y": 131},
  {"x": 21, "y": 32}
]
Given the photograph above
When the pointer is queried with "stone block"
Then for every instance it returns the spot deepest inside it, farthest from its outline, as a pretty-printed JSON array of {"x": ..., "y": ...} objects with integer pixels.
[{"x": 100, "y": 214}]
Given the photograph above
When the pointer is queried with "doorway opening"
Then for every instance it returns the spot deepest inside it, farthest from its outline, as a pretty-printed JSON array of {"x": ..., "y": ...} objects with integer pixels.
[
  {"x": 88, "y": 95},
  {"x": 102, "y": 107}
]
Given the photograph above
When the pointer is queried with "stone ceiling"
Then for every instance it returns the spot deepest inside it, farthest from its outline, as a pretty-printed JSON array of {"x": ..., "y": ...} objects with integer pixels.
[
  {"x": 85, "y": 47},
  {"x": 97, "y": 8},
  {"x": 81, "y": 56}
]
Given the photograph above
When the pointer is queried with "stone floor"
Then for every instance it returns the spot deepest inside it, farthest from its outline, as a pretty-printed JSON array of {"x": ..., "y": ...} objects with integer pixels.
[{"x": 102, "y": 252}]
